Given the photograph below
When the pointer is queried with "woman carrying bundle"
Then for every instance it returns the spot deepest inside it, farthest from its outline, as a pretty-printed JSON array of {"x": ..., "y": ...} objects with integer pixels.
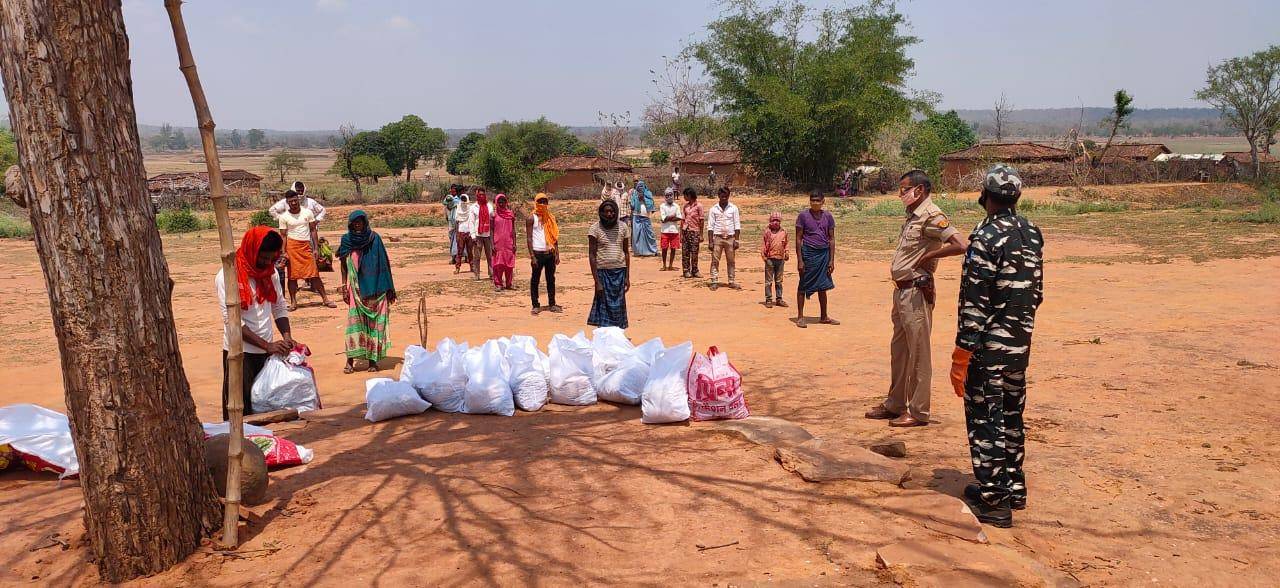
[{"x": 368, "y": 290}]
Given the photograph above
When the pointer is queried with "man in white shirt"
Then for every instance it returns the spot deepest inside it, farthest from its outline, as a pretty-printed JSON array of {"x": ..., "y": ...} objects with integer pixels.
[
  {"x": 281, "y": 206},
  {"x": 675, "y": 178},
  {"x": 724, "y": 227},
  {"x": 466, "y": 218},
  {"x": 670, "y": 214},
  {"x": 298, "y": 227},
  {"x": 256, "y": 257}
]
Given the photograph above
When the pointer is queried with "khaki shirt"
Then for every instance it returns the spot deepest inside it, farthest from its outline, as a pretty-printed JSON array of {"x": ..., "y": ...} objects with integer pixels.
[{"x": 925, "y": 229}]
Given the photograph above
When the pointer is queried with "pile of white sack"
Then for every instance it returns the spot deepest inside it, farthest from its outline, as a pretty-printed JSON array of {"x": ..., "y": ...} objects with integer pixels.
[{"x": 511, "y": 373}]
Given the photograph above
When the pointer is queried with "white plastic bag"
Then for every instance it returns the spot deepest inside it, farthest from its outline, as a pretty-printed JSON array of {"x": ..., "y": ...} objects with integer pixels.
[
  {"x": 570, "y": 370},
  {"x": 440, "y": 378},
  {"x": 488, "y": 388},
  {"x": 388, "y": 399},
  {"x": 415, "y": 359},
  {"x": 528, "y": 379},
  {"x": 285, "y": 383},
  {"x": 666, "y": 397},
  {"x": 619, "y": 370}
]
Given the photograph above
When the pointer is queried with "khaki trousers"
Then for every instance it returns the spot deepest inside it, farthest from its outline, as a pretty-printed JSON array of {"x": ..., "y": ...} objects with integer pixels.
[
  {"x": 909, "y": 352},
  {"x": 722, "y": 246}
]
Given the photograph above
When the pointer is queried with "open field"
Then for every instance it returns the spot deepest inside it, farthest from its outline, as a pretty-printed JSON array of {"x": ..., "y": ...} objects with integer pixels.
[{"x": 1153, "y": 451}]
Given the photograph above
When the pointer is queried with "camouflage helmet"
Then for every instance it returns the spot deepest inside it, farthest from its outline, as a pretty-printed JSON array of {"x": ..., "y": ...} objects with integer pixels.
[{"x": 1003, "y": 180}]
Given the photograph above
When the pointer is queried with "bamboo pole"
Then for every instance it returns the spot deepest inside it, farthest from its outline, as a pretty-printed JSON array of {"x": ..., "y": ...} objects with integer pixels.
[{"x": 235, "y": 353}]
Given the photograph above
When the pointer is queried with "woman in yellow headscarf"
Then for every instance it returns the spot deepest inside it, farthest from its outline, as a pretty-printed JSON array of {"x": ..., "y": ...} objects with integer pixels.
[{"x": 542, "y": 235}]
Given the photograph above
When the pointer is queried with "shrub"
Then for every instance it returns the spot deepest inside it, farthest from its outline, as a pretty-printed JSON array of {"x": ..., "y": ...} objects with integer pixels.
[
  {"x": 262, "y": 218},
  {"x": 402, "y": 192},
  {"x": 659, "y": 157},
  {"x": 14, "y": 227},
  {"x": 411, "y": 221},
  {"x": 180, "y": 221},
  {"x": 1268, "y": 213}
]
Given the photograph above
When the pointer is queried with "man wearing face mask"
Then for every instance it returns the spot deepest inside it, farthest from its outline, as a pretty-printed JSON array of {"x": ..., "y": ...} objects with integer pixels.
[{"x": 926, "y": 235}]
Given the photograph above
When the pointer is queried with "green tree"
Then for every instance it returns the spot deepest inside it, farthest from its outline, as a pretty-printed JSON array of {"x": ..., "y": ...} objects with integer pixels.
[
  {"x": 1117, "y": 120},
  {"x": 1246, "y": 92},
  {"x": 285, "y": 162},
  {"x": 257, "y": 139},
  {"x": 934, "y": 136},
  {"x": 344, "y": 151},
  {"x": 466, "y": 147},
  {"x": 161, "y": 140},
  {"x": 178, "y": 140},
  {"x": 362, "y": 165},
  {"x": 8, "y": 150},
  {"x": 409, "y": 141},
  {"x": 508, "y": 156},
  {"x": 659, "y": 157},
  {"x": 799, "y": 108},
  {"x": 235, "y": 140}
]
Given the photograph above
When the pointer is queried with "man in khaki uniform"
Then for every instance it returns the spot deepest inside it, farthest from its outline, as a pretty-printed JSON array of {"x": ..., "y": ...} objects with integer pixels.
[{"x": 926, "y": 235}]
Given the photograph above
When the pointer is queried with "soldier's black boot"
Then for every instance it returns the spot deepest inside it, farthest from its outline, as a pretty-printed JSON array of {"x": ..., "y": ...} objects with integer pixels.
[
  {"x": 1015, "y": 502},
  {"x": 997, "y": 516}
]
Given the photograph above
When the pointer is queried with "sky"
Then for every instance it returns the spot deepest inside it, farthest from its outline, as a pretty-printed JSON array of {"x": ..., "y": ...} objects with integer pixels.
[{"x": 316, "y": 64}]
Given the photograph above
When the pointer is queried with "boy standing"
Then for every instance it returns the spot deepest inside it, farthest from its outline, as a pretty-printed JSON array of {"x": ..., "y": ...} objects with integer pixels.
[
  {"x": 670, "y": 214},
  {"x": 774, "y": 253},
  {"x": 692, "y": 226}
]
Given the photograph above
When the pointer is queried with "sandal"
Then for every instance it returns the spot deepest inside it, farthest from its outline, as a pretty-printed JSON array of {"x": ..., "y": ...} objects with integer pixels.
[
  {"x": 348, "y": 369},
  {"x": 373, "y": 367},
  {"x": 800, "y": 322},
  {"x": 556, "y": 308},
  {"x": 291, "y": 307},
  {"x": 829, "y": 321},
  {"x": 330, "y": 304}
]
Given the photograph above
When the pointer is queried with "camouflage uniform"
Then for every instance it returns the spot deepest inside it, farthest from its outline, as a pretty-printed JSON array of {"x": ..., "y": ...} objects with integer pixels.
[{"x": 1001, "y": 287}]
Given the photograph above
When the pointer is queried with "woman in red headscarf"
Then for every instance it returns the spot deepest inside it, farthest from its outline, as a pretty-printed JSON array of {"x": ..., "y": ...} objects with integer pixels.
[
  {"x": 504, "y": 245},
  {"x": 261, "y": 304}
]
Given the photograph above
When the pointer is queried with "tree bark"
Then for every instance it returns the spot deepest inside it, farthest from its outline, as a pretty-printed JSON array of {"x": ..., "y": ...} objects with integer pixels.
[{"x": 149, "y": 499}]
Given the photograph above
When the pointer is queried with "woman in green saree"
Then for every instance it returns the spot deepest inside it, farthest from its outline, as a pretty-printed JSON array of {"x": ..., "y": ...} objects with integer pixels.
[{"x": 368, "y": 290}]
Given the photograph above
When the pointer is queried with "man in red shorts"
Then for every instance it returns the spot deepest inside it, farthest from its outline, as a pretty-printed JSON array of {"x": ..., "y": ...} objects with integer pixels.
[{"x": 671, "y": 216}]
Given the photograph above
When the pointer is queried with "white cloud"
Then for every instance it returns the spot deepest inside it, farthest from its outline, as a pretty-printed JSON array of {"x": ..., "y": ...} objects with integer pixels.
[
  {"x": 400, "y": 23},
  {"x": 331, "y": 5}
]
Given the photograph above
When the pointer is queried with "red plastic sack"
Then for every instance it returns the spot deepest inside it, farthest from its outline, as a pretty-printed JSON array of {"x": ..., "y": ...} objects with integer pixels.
[
  {"x": 280, "y": 452},
  {"x": 715, "y": 388}
]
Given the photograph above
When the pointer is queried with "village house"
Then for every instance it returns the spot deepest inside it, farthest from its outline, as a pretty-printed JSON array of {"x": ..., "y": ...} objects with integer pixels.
[
  {"x": 1244, "y": 160},
  {"x": 727, "y": 163},
  {"x": 1137, "y": 152},
  {"x": 958, "y": 164},
  {"x": 236, "y": 181},
  {"x": 576, "y": 171}
]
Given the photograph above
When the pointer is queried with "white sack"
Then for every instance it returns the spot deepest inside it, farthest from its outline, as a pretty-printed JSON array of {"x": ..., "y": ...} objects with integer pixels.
[
  {"x": 488, "y": 390},
  {"x": 570, "y": 370},
  {"x": 388, "y": 399},
  {"x": 528, "y": 378},
  {"x": 440, "y": 378},
  {"x": 41, "y": 432},
  {"x": 666, "y": 397}
]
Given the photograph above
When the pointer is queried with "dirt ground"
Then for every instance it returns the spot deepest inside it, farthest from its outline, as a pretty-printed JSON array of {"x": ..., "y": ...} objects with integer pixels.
[{"x": 1153, "y": 455}]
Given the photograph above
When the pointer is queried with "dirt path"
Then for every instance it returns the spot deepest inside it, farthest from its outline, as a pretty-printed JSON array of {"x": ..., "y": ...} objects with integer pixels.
[{"x": 1152, "y": 455}]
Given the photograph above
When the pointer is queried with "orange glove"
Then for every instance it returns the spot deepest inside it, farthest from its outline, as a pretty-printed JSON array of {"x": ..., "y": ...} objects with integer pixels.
[{"x": 960, "y": 369}]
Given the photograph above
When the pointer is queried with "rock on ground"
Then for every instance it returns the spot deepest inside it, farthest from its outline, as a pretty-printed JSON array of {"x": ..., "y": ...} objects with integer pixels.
[
  {"x": 939, "y": 512},
  {"x": 816, "y": 461},
  {"x": 763, "y": 430}
]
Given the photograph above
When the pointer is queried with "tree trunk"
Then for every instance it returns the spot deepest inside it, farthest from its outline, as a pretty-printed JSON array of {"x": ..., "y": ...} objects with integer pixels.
[
  {"x": 148, "y": 496},
  {"x": 408, "y": 174}
]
